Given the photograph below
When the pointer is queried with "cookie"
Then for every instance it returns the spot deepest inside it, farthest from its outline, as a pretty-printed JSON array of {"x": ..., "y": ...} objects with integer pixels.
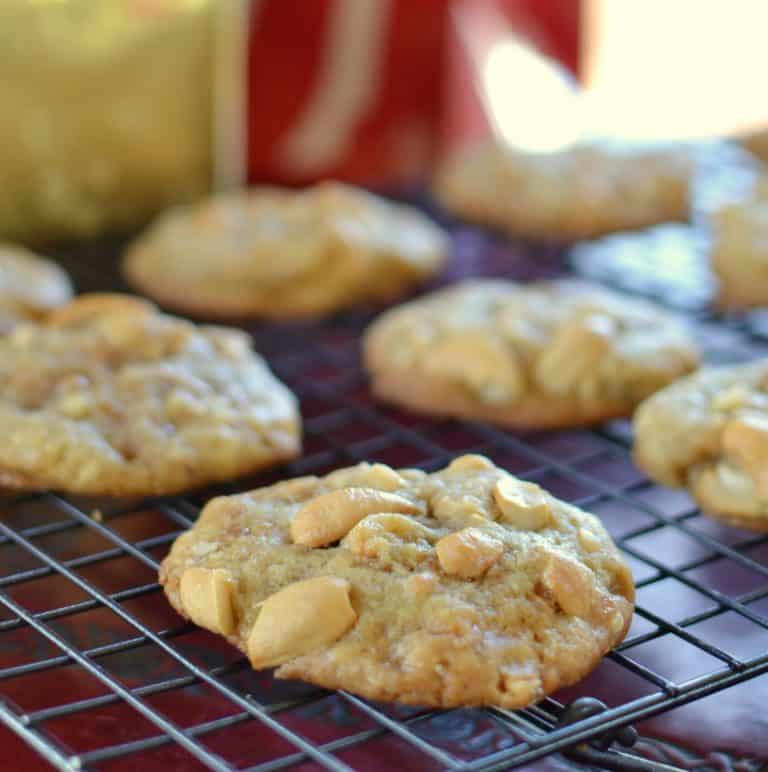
[
  {"x": 30, "y": 286},
  {"x": 280, "y": 253},
  {"x": 580, "y": 192},
  {"x": 108, "y": 396},
  {"x": 550, "y": 354},
  {"x": 709, "y": 433},
  {"x": 463, "y": 587},
  {"x": 739, "y": 251}
]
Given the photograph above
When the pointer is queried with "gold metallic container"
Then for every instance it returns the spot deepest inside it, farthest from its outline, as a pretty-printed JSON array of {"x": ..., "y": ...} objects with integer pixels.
[{"x": 105, "y": 112}]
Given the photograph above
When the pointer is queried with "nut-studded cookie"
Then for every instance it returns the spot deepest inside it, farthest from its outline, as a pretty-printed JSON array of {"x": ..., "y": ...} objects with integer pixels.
[
  {"x": 549, "y": 354},
  {"x": 109, "y": 396},
  {"x": 463, "y": 587},
  {"x": 30, "y": 286},
  {"x": 709, "y": 433},
  {"x": 280, "y": 253},
  {"x": 580, "y": 192}
]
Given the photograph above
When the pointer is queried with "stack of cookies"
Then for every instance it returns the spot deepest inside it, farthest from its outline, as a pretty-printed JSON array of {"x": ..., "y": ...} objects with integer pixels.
[{"x": 466, "y": 586}]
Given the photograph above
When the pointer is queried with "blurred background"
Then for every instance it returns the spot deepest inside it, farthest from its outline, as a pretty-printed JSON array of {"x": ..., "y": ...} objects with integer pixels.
[{"x": 113, "y": 109}]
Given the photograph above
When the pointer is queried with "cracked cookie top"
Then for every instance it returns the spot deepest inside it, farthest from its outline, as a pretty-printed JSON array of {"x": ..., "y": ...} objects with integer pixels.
[{"x": 30, "y": 286}]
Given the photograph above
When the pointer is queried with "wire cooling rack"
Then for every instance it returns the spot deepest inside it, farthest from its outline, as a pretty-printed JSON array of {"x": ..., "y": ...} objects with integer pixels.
[{"x": 97, "y": 672}]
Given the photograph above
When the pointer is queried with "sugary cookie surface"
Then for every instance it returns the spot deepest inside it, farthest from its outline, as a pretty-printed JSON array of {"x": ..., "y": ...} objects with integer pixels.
[
  {"x": 462, "y": 587},
  {"x": 109, "y": 396},
  {"x": 579, "y": 192},
  {"x": 30, "y": 286},
  {"x": 282, "y": 253},
  {"x": 545, "y": 354},
  {"x": 709, "y": 433}
]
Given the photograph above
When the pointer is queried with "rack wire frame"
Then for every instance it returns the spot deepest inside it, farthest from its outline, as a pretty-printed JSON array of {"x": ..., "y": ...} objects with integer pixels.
[{"x": 48, "y": 541}]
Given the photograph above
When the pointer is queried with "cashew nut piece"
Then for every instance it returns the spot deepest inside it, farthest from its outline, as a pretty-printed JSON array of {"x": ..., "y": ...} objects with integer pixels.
[
  {"x": 207, "y": 597},
  {"x": 330, "y": 516},
  {"x": 732, "y": 398},
  {"x": 86, "y": 308},
  {"x": 523, "y": 504},
  {"x": 494, "y": 374},
  {"x": 588, "y": 540},
  {"x": 75, "y": 405},
  {"x": 301, "y": 617},
  {"x": 365, "y": 475},
  {"x": 570, "y": 361},
  {"x": 471, "y": 462},
  {"x": 468, "y": 553},
  {"x": 570, "y": 583},
  {"x": 368, "y": 537}
]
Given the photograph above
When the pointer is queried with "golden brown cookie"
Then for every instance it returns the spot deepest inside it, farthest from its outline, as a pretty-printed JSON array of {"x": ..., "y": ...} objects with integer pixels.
[
  {"x": 109, "y": 396},
  {"x": 580, "y": 192},
  {"x": 709, "y": 433},
  {"x": 30, "y": 286},
  {"x": 281, "y": 253},
  {"x": 462, "y": 587},
  {"x": 540, "y": 355}
]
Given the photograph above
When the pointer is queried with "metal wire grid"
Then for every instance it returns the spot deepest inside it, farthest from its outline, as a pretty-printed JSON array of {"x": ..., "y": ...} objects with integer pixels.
[{"x": 79, "y": 603}]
